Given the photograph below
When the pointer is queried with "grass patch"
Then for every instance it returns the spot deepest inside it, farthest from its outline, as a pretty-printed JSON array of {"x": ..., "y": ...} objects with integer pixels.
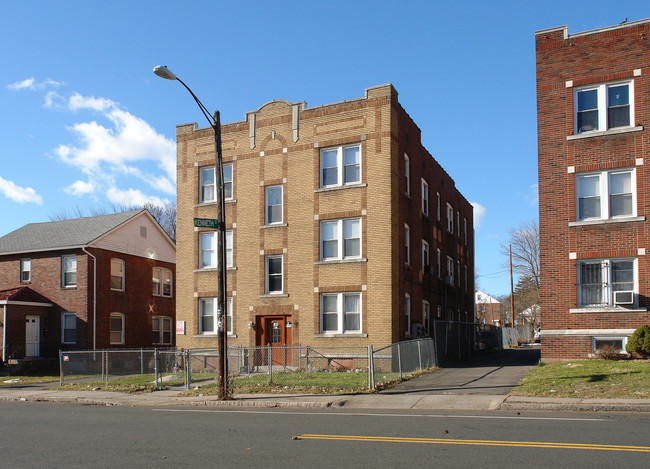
[
  {"x": 588, "y": 379},
  {"x": 136, "y": 384},
  {"x": 27, "y": 380}
]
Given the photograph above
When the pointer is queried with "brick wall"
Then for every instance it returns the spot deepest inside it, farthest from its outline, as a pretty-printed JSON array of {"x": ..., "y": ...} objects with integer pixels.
[{"x": 565, "y": 62}]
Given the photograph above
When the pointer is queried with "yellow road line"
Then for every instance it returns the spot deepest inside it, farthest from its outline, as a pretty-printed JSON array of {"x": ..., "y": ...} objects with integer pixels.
[{"x": 450, "y": 441}]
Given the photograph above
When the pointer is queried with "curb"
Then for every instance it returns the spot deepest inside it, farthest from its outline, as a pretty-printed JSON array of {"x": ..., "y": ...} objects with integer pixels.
[{"x": 575, "y": 405}]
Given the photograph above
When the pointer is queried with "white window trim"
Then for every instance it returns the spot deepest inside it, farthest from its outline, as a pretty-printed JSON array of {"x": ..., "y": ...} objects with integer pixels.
[
  {"x": 161, "y": 331},
  {"x": 215, "y": 235},
  {"x": 24, "y": 262},
  {"x": 606, "y": 266},
  {"x": 122, "y": 332},
  {"x": 340, "y": 304},
  {"x": 465, "y": 231},
  {"x": 340, "y": 166},
  {"x": 63, "y": 271},
  {"x": 622, "y": 338},
  {"x": 450, "y": 218},
  {"x": 604, "y": 194},
  {"x": 158, "y": 273},
  {"x": 122, "y": 275},
  {"x": 266, "y": 275},
  {"x": 63, "y": 329},
  {"x": 603, "y": 125},
  {"x": 425, "y": 196},
  {"x": 340, "y": 239},
  {"x": 215, "y": 315},
  {"x": 438, "y": 262},
  {"x": 266, "y": 204},
  {"x": 202, "y": 200},
  {"x": 438, "y": 209},
  {"x": 450, "y": 270}
]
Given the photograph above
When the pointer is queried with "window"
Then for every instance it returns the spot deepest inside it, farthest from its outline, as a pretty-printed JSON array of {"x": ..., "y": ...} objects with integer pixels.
[
  {"x": 340, "y": 313},
  {"x": 207, "y": 184},
  {"x": 117, "y": 274},
  {"x": 273, "y": 205},
  {"x": 273, "y": 274},
  {"x": 208, "y": 320},
  {"x": 603, "y": 107},
  {"x": 162, "y": 282},
  {"x": 208, "y": 249},
  {"x": 458, "y": 222},
  {"x": 607, "y": 282},
  {"x": 117, "y": 328},
  {"x": 340, "y": 166},
  {"x": 69, "y": 328},
  {"x": 407, "y": 245},
  {"x": 450, "y": 218},
  {"x": 425, "y": 197},
  {"x": 25, "y": 270},
  {"x": 608, "y": 343},
  {"x": 438, "y": 206},
  {"x": 69, "y": 271},
  {"x": 426, "y": 268},
  {"x": 426, "y": 314},
  {"x": 606, "y": 194},
  {"x": 458, "y": 272},
  {"x": 465, "y": 278},
  {"x": 438, "y": 263},
  {"x": 161, "y": 327},
  {"x": 407, "y": 313},
  {"x": 450, "y": 271},
  {"x": 407, "y": 175},
  {"x": 341, "y": 239}
]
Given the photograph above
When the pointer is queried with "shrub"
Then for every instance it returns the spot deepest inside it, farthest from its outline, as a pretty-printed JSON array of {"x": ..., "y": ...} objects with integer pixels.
[
  {"x": 610, "y": 352},
  {"x": 640, "y": 341}
]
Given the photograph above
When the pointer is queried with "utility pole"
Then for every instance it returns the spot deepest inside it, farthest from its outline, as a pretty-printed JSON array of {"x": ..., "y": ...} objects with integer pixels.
[{"x": 512, "y": 291}]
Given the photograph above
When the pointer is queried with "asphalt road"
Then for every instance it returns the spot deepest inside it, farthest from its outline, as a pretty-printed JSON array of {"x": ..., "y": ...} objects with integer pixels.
[
  {"x": 494, "y": 374},
  {"x": 54, "y": 435}
]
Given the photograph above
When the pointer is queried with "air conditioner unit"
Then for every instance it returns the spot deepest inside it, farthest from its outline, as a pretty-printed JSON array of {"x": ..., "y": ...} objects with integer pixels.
[
  {"x": 449, "y": 280},
  {"x": 623, "y": 297}
]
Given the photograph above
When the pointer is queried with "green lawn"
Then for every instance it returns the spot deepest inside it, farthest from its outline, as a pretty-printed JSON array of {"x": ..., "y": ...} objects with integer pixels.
[{"x": 588, "y": 379}]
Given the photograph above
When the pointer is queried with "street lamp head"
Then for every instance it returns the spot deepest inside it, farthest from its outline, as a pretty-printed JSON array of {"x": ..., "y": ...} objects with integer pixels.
[{"x": 163, "y": 72}]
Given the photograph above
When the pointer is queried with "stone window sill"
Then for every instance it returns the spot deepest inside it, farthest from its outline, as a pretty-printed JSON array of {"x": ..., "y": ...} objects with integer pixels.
[
  {"x": 606, "y": 221},
  {"x": 602, "y": 133}
]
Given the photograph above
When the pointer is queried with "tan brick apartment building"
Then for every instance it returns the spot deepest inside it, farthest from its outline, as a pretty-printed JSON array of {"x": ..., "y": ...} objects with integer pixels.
[
  {"x": 593, "y": 109},
  {"x": 341, "y": 228}
]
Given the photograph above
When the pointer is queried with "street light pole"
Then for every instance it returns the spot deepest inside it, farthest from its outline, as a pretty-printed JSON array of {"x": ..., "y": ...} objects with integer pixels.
[{"x": 222, "y": 317}]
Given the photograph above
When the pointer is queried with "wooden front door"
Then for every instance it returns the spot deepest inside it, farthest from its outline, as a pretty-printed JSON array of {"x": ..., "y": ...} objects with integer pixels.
[{"x": 273, "y": 332}]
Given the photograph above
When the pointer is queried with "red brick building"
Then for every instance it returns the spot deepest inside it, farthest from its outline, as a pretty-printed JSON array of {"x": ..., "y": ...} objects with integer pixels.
[
  {"x": 87, "y": 283},
  {"x": 593, "y": 105}
]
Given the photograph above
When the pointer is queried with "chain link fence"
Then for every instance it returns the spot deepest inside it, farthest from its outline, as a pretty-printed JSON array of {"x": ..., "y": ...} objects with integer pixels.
[{"x": 350, "y": 368}]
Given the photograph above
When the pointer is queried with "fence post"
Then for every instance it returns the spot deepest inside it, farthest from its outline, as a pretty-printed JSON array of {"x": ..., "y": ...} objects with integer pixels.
[
  {"x": 435, "y": 344},
  {"x": 299, "y": 356},
  {"x": 399, "y": 359},
  {"x": 371, "y": 368},
  {"x": 61, "y": 367},
  {"x": 307, "y": 360},
  {"x": 155, "y": 365},
  {"x": 270, "y": 363},
  {"x": 420, "y": 353},
  {"x": 188, "y": 365},
  {"x": 141, "y": 362},
  {"x": 105, "y": 353}
]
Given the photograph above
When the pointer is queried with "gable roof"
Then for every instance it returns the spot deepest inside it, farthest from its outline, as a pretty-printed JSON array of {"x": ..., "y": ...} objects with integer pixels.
[
  {"x": 63, "y": 234},
  {"x": 22, "y": 294},
  {"x": 482, "y": 297}
]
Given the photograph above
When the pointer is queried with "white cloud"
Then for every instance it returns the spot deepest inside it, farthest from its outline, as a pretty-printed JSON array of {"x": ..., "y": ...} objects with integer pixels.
[
  {"x": 479, "y": 213},
  {"x": 80, "y": 188},
  {"x": 533, "y": 196},
  {"x": 19, "y": 194},
  {"x": 32, "y": 84},
  {"x": 132, "y": 197},
  {"x": 76, "y": 102}
]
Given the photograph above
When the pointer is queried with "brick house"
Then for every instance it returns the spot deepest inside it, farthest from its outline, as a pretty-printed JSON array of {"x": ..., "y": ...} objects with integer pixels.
[
  {"x": 592, "y": 114},
  {"x": 87, "y": 283},
  {"x": 342, "y": 229},
  {"x": 489, "y": 310}
]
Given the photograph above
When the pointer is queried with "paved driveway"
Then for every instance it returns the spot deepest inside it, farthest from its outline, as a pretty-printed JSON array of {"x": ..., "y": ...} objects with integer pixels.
[{"x": 494, "y": 374}]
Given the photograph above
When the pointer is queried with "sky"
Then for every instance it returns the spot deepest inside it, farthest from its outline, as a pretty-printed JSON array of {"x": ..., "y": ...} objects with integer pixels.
[{"x": 86, "y": 125}]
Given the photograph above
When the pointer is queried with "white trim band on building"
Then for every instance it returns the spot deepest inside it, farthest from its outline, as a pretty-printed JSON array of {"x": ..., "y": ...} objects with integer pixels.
[{"x": 585, "y": 332}]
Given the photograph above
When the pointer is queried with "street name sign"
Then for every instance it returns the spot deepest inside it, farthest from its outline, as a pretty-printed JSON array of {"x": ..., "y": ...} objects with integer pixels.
[{"x": 206, "y": 223}]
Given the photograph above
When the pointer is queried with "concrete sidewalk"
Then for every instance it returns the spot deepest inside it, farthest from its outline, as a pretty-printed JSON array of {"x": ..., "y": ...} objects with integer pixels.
[{"x": 170, "y": 398}]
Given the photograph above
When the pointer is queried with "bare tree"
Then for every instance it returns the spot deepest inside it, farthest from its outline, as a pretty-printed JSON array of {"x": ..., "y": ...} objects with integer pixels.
[{"x": 524, "y": 241}]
